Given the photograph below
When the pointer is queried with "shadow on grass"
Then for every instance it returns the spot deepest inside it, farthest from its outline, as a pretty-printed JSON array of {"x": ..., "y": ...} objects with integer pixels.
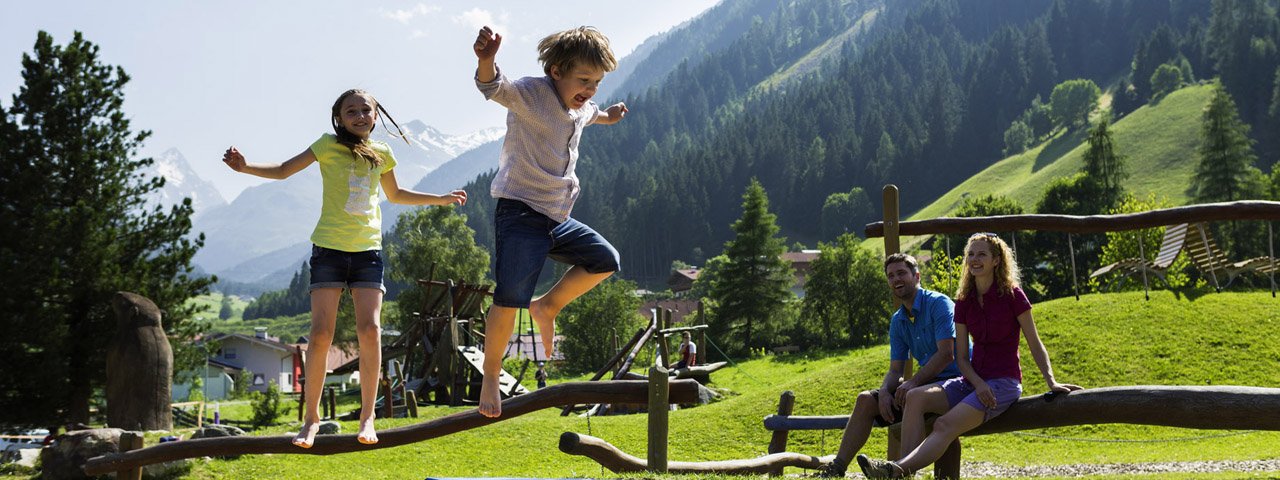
[{"x": 1058, "y": 147}]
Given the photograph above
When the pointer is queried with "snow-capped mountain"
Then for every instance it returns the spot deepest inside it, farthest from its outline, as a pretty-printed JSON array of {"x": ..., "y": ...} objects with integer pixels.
[
  {"x": 429, "y": 148},
  {"x": 181, "y": 181}
]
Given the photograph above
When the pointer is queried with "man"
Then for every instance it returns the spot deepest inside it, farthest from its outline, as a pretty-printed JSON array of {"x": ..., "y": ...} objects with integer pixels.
[{"x": 923, "y": 328}]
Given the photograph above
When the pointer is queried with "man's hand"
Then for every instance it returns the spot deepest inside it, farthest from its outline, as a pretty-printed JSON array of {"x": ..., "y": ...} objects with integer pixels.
[
  {"x": 886, "y": 406},
  {"x": 900, "y": 396},
  {"x": 487, "y": 44}
]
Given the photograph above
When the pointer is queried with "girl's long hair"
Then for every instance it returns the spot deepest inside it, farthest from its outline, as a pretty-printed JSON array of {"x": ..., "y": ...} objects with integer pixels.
[
  {"x": 1007, "y": 275},
  {"x": 360, "y": 147}
]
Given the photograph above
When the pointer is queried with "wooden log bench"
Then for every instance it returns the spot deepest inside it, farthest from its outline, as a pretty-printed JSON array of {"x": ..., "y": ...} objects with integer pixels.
[{"x": 1207, "y": 407}]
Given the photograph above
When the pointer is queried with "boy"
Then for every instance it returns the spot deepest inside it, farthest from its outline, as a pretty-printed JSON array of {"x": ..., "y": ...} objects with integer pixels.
[{"x": 536, "y": 186}]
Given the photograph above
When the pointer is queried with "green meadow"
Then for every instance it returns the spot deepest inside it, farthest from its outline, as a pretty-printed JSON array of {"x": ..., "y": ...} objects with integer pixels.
[{"x": 1101, "y": 340}]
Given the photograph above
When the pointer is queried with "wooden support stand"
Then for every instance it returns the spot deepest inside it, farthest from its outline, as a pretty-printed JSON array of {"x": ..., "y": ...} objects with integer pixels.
[{"x": 659, "y": 393}]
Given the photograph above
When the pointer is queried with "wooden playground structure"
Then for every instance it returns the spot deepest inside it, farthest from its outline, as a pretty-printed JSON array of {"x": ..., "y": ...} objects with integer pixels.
[{"x": 1198, "y": 407}]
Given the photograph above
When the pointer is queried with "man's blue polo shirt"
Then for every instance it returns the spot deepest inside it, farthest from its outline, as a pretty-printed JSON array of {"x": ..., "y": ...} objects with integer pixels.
[{"x": 934, "y": 319}]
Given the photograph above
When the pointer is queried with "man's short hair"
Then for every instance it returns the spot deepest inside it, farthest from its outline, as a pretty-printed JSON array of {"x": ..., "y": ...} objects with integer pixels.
[{"x": 904, "y": 258}]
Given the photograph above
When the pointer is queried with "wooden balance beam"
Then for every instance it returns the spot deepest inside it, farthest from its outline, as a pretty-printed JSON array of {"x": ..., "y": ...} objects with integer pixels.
[{"x": 681, "y": 391}]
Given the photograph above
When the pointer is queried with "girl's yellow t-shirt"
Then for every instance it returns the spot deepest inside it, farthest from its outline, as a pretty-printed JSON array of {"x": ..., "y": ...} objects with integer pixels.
[{"x": 350, "y": 218}]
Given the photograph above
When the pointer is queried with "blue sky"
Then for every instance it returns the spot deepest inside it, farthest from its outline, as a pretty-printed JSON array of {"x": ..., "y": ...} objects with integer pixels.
[{"x": 262, "y": 74}]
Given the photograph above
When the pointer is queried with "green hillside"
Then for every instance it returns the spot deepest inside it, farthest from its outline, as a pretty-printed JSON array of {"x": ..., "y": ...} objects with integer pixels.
[
  {"x": 1101, "y": 340},
  {"x": 1159, "y": 140}
]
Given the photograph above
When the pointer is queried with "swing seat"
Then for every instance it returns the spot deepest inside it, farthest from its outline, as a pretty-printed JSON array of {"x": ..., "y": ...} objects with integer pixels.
[{"x": 1175, "y": 239}]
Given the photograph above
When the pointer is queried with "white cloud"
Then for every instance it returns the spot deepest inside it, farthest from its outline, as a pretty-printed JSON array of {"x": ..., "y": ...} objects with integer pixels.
[
  {"x": 405, "y": 15},
  {"x": 476, "y": 18}
]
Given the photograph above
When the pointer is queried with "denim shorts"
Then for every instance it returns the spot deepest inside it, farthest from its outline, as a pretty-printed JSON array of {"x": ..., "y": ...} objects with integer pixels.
[
  {"x": 338, "y": 269},
  {"x": 525, "y": 238},
  {"x": 1006, "y": 390}
]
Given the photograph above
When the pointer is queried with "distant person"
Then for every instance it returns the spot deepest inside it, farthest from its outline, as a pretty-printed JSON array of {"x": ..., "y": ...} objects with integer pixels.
[
  {"x": 536, "y": 186},
  {"x": 541, "y": 375},
  {"x": 992, "y": 309},
  {"x": 347, "y": 250},
  {"x": 923, "y": 329},
  {"x": 688, "y": 352}
]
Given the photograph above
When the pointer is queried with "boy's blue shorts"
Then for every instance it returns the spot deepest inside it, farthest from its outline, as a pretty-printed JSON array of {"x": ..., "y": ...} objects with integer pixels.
[
  {"x": 338, "y": 269},
  {"x": 524, "y": 240}
]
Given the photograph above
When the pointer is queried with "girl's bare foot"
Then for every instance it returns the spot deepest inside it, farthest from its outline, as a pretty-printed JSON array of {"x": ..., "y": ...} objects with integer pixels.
[
  {"x": 490, "y": 397},
  {"x": 307, "y": 435},
  {"x": 545, "y": 317},
  {"x": 367, "y": 435}
]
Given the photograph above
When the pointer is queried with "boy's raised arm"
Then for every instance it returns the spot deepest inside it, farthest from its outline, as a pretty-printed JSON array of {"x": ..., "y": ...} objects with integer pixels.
[{"x": 486, "y": 48}]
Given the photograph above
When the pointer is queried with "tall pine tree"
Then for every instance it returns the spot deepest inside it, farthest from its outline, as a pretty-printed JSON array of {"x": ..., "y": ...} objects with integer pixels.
[
  {"x": 1226, "y": 154},
  {"x": 1103, "y": 166},
  {"x": 1226, "y": 172},
  {"x": 78, "y": 229},
  {"x": 754, "y": 286}
]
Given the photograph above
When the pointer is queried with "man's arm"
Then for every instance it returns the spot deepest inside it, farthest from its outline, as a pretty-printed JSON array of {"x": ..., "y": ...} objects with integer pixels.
[{"x": 936, "y": 364}]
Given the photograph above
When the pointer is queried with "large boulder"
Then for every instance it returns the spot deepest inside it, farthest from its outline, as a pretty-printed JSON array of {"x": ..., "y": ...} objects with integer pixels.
[
  {"x": 63, "y": 459},
  {"x": 139, "y": 367},
  {"x": 209, "y": 431}
]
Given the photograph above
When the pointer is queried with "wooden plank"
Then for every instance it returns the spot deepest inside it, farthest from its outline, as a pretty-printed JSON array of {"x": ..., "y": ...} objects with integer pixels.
[
  {"x": 681, "y": 391},
  {"x": 1209, "y": 212},
  {"x": 617, "y": 461}
]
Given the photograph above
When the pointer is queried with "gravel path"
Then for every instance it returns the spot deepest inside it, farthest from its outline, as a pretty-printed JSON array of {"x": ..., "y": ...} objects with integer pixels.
[{"x": 984, "y": 469}]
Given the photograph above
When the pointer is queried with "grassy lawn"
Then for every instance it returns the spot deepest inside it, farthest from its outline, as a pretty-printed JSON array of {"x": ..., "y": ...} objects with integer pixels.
[{"x": 1102, "y": 340}]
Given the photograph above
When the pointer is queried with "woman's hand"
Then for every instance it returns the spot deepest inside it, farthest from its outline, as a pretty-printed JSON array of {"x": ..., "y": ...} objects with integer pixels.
[{"x": 985, "y": 395}]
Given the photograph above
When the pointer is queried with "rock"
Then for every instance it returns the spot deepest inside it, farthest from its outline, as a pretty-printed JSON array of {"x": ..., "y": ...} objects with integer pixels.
[
  {"x": 63, "y": 459},
  {"x": 209, "y": 431},
  {"x": 174, "y": 469},
  {"x": 330, "y": 428}
]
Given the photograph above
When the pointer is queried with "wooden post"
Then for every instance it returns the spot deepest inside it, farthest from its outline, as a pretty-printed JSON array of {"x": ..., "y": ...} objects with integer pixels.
[
  {"x": 302, "y": 397},
  {"x": 892, "y": 244},
  {"x": 411, "y": 400},
  {"x": 332, "y": 403},
  {"x": 388, "y": 410},
  {"x": 200, "y": 416},
  {"x": 786, "y": 403},
  {"x": 1072, "y": 248},
  {"x": 664, "y": 351},
  {"x": 1146, "y": 286},
  {"x": 659, "y": 391},
  {"x": 948, "y": 465},
  {"x": 130, "y": 441},
  {"x": 702, "y": 347}
]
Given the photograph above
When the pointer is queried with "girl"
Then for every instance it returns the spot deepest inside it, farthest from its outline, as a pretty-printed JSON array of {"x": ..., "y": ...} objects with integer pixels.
[
  {"x": 990, "y": 306},
  {"x": 347, "y": 242}
]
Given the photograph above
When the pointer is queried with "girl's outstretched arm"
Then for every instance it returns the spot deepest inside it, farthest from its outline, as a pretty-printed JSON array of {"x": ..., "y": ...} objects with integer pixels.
[
  {"x": 405, "y": 196},
  {"x": 1040, "y": 354},
  {"x": 274, "y": 171}
]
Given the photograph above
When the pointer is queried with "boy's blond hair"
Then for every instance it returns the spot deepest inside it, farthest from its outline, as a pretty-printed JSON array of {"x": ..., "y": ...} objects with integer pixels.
[{"x": 566, "y": 49}]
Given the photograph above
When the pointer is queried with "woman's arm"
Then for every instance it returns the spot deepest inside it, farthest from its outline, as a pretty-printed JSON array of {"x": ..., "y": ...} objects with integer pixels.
[
  {"x": 1040, "y": 354},
  {"x": 405, "y": 196},
  {"x": 275, "y": 171},
  {"x": 966, "y": 368}
]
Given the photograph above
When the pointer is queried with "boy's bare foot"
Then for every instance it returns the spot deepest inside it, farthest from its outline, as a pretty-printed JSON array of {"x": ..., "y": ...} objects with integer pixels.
[
  {"x": 490, "y": 397},
  {"x": 545, "y": 317},
  {"x": 307, "y": 435},
  {"x": 367, "y": 435}
]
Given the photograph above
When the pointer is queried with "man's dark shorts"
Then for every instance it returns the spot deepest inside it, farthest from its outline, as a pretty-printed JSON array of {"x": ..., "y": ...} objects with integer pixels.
[{"x": 879, "y": 421}]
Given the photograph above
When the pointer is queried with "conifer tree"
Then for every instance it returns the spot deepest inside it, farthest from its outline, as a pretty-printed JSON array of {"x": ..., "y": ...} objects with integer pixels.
[
  {"x": 753, "y": 287},
  {"x": 78, "y": 229},
  {"x": 1105, "y": 167},
  {"x": 1226, "y": 153}
]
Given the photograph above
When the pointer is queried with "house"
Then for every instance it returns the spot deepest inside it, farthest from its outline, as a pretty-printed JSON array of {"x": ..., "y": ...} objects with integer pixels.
[
  {"x": 802, "y": 264},
  {"x": 681, "y": 280},
  {"x": 217, "y": 382},
  {"x": 680, "y": 308},
  {"x": 264, "y": 357}
]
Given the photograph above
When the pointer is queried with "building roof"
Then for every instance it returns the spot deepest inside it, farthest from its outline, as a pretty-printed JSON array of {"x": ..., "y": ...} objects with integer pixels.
[
  {"x": 269, "y": 342},
  {"x": 803, "y": 256},
  {"x": 337, "y": 357}
]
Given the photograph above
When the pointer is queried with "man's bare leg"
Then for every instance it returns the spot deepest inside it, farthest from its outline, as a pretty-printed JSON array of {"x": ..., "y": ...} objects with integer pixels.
[
  {"x": 368, "y": 308},
  {"x": 857, "y": 429},
  {"x": 324, "y": 315},
  {"x": 544, "y": 309},
  {"x": 498, "y": 326}
]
